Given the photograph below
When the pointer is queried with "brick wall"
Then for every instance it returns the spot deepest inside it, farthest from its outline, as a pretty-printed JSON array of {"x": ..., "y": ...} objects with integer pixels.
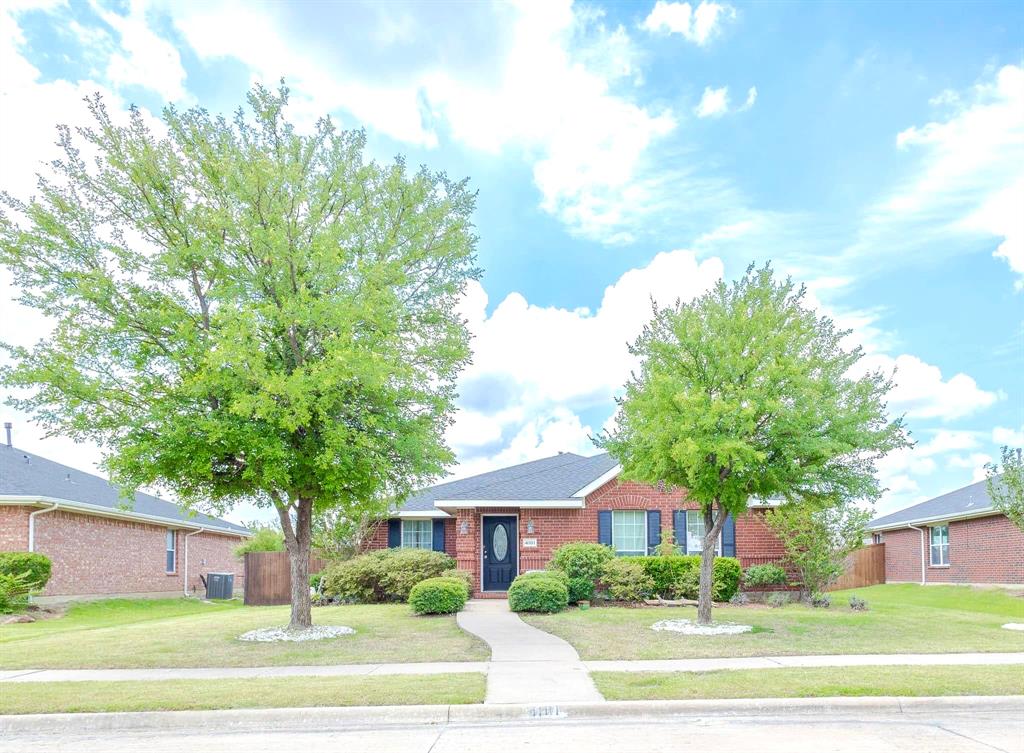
[
  {"x": 93, "y": 555},
  {"x": 981, "y": 550},
  {"x": 377, "y": 537},
  {"x": 552, "y": 528},
  {"x": 14, "y": 528}
]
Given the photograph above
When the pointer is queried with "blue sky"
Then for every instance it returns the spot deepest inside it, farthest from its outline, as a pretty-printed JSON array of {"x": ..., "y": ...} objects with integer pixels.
[{"x": 621, "y": 151}]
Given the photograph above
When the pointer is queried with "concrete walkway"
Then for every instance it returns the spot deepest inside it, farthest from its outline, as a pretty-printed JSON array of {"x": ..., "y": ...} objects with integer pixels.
[
  {"x": 435, "y": 668},
  {"x": 527, "y": 664}
]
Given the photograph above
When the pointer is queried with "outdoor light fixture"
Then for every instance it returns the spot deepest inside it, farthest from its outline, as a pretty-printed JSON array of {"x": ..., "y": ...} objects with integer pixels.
[
  {"x": 464, "y": 526},
  {"x": 529, "y": 526}
]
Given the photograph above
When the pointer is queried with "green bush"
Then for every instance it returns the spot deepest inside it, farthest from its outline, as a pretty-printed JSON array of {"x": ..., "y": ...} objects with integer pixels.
[
  {"x": 263, "y": 540},
  {"x": 33, "y": 566},
  {"x": 688, "y": 586},
  {"x": 764, "y": 575},
  {"x": 726, "y": 578},
  {"x": 314, "y": 580},
  {"x": 14, "y": 591},
  {"x": 464, "y": 575},
  {"x": 581, "y": 559},
  {"x": 383, "y": 575},
  {"x": 668, "y": 573},
  {"x": 539, "y": 592},
  {"x": 626, "y": 580},
  {"x": 580, "y": 589},
  {"x": 438, "y": 596}
]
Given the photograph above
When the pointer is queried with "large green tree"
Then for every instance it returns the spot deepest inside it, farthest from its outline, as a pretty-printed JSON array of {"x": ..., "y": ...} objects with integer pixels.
[
  {"x": 746, "y": 393},
  {"x": 244, "y": 311},
  {"x": 1005, "y": 484}
]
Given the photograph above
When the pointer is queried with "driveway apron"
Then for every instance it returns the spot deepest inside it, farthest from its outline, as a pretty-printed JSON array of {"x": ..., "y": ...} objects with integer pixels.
[{"x": 527, "y": 665}]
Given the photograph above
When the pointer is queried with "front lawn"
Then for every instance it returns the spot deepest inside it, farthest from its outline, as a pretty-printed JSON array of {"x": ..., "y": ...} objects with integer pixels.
[
  {"x": 177, "y": 695},
  {"x": 812, "y": 682},
  {"x": 126, "y": 633},
  {"x": 901, "y": 619}
]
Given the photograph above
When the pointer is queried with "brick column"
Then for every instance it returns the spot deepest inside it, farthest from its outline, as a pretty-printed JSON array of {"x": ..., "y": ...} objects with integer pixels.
[{"x": 467, "y": 545}]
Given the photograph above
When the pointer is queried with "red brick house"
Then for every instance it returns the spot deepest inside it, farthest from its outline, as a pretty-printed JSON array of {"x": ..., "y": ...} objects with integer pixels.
[
  {"x": 954, "y": 538},
  {"x": 102, "y": 544},
  {"x": 499, "y": 524}
]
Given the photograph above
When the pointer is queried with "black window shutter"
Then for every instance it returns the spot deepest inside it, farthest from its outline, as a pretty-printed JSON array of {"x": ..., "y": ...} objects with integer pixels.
[
  {"x": 729, "y": 537},
  {"x": 394, "y": 533},
  {"x": 604, "y": 527},
  {"x": 438, "y": 538},
  {"x": 653, "y": 530},
  {"x": 679, "y": 529}
]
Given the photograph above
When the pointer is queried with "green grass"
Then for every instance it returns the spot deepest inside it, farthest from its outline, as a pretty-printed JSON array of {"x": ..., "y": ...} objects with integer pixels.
[
  {"x": 124, "y": 633},
  {"x": 177, "y": 695},
  {"x": 901, "y": 619},
  {"x": 812, "y": 682}
]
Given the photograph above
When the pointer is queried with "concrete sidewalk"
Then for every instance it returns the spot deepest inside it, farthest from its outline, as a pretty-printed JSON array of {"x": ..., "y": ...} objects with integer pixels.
[{"x": 527, "y": 664}]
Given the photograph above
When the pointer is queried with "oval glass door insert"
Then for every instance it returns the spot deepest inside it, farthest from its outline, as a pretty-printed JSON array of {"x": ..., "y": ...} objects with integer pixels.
[{"x": 499, "y": 543}]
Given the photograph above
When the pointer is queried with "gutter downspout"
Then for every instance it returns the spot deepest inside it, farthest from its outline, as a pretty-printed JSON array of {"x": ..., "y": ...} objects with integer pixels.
[
  {"x": 32, "y": 525},
  {"x": 924, "y": 579},
  {"x": 184, "y": 587}
]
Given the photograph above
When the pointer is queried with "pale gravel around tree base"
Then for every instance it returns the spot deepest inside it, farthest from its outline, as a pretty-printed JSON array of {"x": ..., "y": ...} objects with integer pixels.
[
  {"x": 314, "y": 633},
  {"x": 688, "y": 627},
  {"x": 1014, "y": 626}
]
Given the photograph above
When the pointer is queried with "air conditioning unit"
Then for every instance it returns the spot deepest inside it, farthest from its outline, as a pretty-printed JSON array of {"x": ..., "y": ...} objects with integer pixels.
[{"x": 219, "y": 585}]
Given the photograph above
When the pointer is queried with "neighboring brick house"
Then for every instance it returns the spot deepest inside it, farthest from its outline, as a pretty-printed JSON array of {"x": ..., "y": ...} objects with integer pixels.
[
  {"x": 955, "y": 538},
  {"x": 102, "y": 544},
  {"x": 499, "y": 524}
]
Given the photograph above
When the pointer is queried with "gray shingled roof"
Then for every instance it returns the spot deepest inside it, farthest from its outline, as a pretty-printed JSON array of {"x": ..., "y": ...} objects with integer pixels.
[
  {"x": 553, "y": 478},
  {"x": 967, "y": 501},
  {"x": 24, "y": 474}
]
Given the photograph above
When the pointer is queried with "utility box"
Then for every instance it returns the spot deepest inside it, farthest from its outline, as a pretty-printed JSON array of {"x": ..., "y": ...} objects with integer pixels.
[{"x": 219, "y": 585}]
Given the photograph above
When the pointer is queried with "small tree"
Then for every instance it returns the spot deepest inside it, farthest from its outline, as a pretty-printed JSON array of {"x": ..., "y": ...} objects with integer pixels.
[
  {"x": 245, "y": 313},
  {"x": 745, "y": 392},
  {"x": 818, "y": 537},
  {"x": 1006, "y": 485}
]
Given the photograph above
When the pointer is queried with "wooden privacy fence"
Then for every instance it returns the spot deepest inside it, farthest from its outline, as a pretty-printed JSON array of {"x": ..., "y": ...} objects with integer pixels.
[
  {"x": 865, "y": 567},
  {"x": 268, "y": 580}
]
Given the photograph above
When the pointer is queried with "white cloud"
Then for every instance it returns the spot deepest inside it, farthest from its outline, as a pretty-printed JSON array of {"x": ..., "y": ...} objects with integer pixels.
[
  {"x": 557, "y": 91},
  {"x": 714, "y": 103},
  {"x": 1003, "y": 435},
  {"x": 921, "y": 391},
  {"x": 698, "y": 26},
  {"x": 976, "y": 462},
  {"x": 967, "y": 181},
  {"x": 145, "y": 58},
  {"x": 751, "y": 98}
]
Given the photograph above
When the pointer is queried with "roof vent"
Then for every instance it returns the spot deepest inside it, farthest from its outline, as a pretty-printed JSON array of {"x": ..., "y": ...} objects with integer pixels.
[
  {"x": 8, "y": 426},
  {"x": 27, "y": 458}
]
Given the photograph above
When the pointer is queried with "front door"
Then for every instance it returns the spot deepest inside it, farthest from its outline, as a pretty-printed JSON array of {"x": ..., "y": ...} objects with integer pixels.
[{"x": 500, "y": 553}]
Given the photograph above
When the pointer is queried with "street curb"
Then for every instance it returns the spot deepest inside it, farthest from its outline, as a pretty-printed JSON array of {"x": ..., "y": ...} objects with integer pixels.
[{"x": 353, "y": 717}]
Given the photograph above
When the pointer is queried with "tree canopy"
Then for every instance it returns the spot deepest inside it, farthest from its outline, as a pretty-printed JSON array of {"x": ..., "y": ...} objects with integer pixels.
[
  {"x": 243, "y": 311},
  {"x": 747, "y": 392},
  {"x": 1005, "y": 484}
]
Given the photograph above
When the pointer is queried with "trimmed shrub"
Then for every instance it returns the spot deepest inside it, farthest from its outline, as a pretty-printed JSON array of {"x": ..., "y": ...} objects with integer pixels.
[
  {"x": 858, "y": 604},
  {"x": 539, "y": 592},
  {"x": 438, "y": 596},
  {"x": 726, "y": 578},
  {"x": 739, "y": 599},
  {"x": 688, "y": 586},
  {"x": 14, "y": 592},
  {"x": 626, "y": 579},
  {"x": 33, "y": 566},
  {"x": 581, "y": 559},
  {"x": 383, "y": 575},
  {"x": 668, "y": 573},
  {"x": 764, "y": 575},
  {"x": 580, "y": 589},
  {"x": 464, "y": 575},
  {"x": 777, "y": 599},
  {"x": 821, "y": 601}
]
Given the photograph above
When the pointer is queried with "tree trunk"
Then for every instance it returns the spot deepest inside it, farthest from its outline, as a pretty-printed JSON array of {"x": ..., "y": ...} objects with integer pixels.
[
  {"x": 296, "y": 541},
  {"x": 712, "y": 527}
]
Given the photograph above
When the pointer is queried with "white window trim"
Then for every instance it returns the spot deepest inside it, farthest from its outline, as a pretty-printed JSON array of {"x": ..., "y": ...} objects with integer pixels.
[
  {"x": 645, "y": 539},
  {"x": 171, "y": 536},
  {"x": 430, "y": 529},
  {"x": 932, "y": 548}
]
